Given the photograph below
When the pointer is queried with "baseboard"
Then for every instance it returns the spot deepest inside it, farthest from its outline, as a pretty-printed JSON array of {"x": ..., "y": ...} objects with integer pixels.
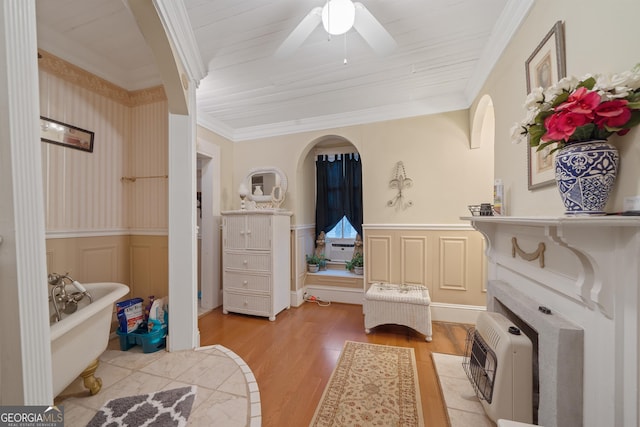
[
  {"x": 455, "y": 313},
  {"x": 335, "y": 294},
  {"x": 441, "y": 312},
  {"x": 297, "y": 297}
]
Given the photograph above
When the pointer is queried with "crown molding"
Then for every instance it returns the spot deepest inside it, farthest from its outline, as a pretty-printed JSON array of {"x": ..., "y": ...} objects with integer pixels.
[
  {"x": 175, "y": 21},
  {"x": 208, "y": 122},
  {"x": 506, "y": 26},
  {"x": 426, "y": 106}
]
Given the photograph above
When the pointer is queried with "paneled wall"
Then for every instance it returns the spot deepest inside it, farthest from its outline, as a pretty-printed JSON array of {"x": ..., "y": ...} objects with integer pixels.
[
  {"x": 150, "y": 257},
  {"x": 90, "y": 259},
  {"x": 449, "y": 260}
]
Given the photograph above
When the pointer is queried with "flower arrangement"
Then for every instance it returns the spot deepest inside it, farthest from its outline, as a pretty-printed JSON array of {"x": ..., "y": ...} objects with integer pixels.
[{"x": 572, "y": 110}]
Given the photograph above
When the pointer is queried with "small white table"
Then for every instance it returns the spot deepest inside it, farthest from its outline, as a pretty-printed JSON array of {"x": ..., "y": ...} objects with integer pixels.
[{"x": 406, "y": 305}]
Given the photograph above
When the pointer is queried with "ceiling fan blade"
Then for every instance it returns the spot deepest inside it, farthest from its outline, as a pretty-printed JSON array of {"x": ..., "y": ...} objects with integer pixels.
[
  {"x": 372, "y": 31},
  {"x": 300, "y": 33}
]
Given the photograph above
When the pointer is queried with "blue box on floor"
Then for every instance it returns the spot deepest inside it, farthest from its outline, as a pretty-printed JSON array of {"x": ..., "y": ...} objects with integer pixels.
[{"x": 150, "y": 341}]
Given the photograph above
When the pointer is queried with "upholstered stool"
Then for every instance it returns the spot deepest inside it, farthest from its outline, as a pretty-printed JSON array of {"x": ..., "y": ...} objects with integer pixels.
[{"x": 406, "y": 305}]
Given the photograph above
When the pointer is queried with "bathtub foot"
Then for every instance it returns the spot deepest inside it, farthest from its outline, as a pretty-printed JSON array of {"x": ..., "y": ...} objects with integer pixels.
[{"x": 90, "y": 381}]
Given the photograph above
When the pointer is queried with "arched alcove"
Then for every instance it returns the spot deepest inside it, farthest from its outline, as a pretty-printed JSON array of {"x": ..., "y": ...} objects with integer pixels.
[
  {"x": 305, "y": 202},
  {"x": 305, "y": 172},
  {"x": 483, "y": 125}
]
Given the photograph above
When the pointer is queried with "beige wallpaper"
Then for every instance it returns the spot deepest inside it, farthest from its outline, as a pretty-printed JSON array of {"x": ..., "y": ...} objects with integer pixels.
[
  {"x": 93, "y": 216},
  {"x": 148, "y": 164},
  {"x": 84, "y": 192},
  {"x": 598, "y": 40}
]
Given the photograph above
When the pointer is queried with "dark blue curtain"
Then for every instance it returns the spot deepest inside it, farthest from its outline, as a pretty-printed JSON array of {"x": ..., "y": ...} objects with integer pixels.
[
  {"x": 329, "y": 193},
  {"x": 339, "y": 192},
  {"x": 353, "y": 191}
]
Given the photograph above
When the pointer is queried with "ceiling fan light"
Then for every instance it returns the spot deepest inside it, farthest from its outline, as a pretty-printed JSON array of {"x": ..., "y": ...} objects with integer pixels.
[{"x": 338, "y": 16}]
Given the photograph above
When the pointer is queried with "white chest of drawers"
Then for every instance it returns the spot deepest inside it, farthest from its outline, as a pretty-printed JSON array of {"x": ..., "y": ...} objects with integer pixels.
[{"x": 256, "y": 262}]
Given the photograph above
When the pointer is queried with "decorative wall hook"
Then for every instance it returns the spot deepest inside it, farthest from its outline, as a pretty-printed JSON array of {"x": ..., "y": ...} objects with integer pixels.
[{"x": 400, "y": 183}]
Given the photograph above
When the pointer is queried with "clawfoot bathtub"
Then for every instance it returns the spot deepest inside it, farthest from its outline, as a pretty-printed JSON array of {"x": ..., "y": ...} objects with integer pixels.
[{"x": 81, "y": 337}]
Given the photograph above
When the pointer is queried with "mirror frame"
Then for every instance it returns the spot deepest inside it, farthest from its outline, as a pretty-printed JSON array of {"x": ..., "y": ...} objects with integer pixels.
[{"x": 266, "y": 200}]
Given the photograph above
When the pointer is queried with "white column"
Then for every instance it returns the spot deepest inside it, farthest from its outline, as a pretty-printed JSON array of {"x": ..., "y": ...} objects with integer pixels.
[
  {"x": 25, "y": 351},
  {"x": 183, "y": 279}
]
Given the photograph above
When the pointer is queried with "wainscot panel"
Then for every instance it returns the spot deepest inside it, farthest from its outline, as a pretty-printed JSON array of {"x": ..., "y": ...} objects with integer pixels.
[{"x": 448, "y": 260}]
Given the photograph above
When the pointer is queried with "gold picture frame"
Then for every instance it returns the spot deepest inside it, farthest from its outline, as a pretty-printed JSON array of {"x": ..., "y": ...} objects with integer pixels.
[
  {"x": 545, "y": 66},
  {"x": 55, "y": 132}
]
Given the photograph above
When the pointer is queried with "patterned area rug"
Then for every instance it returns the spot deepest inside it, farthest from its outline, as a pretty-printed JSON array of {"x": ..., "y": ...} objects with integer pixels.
[
  {"x": 372, "y": 385},
  {"x": 159, "y": 409}
]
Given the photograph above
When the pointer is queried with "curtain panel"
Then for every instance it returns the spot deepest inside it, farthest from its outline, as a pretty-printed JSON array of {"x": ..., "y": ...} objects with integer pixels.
[{"x": 339, "y": 191}]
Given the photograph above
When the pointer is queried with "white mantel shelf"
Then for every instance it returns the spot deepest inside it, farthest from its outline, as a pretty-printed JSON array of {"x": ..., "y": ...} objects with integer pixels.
[
  {"x": 590, "y": 276},
  {"x": 596, "y": 221}
]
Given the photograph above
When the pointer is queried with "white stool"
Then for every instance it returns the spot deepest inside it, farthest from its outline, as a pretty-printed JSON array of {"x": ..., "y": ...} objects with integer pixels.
[{"x": 406, "y": 305}]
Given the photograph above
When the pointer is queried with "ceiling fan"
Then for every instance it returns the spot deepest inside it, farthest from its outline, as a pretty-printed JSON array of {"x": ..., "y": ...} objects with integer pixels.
[{"x": 338, "y": 17}]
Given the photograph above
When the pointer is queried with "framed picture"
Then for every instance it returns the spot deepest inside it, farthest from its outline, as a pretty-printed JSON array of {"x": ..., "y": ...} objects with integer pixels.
[
  {"x": 544, "y": 67},
  {"x": 59, "y": 133}
]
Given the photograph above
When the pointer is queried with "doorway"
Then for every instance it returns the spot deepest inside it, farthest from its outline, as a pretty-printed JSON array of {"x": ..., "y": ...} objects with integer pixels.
[{"x": 208, "y": 220}]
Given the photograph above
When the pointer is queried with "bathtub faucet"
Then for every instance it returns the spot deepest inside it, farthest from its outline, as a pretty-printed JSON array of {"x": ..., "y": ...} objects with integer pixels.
[{"x": 64, "y": 301}]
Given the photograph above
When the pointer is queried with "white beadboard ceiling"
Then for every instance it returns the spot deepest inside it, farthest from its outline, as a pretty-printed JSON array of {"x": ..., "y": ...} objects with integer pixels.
[{"x": 446, "y": 48}]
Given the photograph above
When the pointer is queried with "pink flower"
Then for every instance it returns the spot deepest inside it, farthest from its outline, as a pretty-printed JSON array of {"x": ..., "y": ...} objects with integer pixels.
[
  {"x": 612, "y": 114},
  {"x": 581, "y": 102},
  {"x": 561, "y": 126}
]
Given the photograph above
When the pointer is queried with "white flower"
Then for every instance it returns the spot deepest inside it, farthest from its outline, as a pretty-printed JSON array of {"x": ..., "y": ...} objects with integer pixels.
[
  {"x": 534, "y": 99},
  {"x": 628, "y": 79},
  {"x": 566, "y": 84},
  {"x": 518, "y": 134},
  {"x": 530, "y": 117}
]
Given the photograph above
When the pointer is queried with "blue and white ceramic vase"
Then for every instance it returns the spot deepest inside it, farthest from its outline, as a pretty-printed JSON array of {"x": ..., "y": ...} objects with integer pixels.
[{"x": 585, "y": 173}]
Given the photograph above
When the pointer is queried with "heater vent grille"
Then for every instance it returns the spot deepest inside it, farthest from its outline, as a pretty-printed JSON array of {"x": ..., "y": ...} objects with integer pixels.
[
  {"x": 480, "y": 363},
  {"x": 499, "y": 365}
]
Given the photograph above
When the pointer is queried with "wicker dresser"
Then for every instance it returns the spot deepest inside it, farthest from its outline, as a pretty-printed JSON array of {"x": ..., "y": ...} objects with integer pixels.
[{"x": 256, "y": 261}]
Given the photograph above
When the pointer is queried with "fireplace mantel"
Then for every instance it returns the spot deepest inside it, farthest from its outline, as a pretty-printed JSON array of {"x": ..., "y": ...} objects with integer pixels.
[{"x": 590, "y": 275}]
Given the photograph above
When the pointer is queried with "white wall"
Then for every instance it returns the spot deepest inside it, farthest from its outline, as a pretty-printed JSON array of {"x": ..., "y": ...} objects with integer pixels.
[{"x": 600, "y": 37}]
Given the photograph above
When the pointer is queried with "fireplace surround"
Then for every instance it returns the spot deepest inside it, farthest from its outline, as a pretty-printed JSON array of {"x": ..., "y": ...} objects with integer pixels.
[{"x": 584, "y": 271}]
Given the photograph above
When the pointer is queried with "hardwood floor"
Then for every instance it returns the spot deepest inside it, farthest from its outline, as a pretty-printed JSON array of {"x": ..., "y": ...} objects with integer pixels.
[{"x": 294, "y": 356}]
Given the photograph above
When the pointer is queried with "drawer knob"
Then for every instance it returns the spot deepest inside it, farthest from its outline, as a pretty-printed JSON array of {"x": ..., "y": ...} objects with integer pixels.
[
  {"x": 246, "y": 303},
  {"x": 242, "y": 232},
  {"x": 245, "y": 283},
  {"x": 245, "y": 262},
  {"x": 248, "y": 231}
]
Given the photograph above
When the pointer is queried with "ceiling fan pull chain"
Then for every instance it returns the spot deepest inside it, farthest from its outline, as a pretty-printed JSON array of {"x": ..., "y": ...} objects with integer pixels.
[{"x": 345, "y": 49}]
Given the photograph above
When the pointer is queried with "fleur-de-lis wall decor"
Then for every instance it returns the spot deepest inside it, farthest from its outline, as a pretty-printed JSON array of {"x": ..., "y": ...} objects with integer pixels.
[{"x": 400, "y": 183}]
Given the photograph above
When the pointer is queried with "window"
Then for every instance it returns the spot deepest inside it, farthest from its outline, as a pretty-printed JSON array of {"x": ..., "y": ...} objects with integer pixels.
[
  {"x": 342, "y": 230},
  {"x": 339, "y": 196}
]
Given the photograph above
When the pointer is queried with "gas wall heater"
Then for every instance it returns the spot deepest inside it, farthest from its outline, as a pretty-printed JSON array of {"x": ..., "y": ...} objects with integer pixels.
[{"x": 498, "y": 362}]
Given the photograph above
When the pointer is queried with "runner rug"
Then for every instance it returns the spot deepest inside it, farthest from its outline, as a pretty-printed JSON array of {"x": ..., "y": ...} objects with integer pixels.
[
  {"x": 162, "y": 408},
  {"x": 372, "y": 385}
]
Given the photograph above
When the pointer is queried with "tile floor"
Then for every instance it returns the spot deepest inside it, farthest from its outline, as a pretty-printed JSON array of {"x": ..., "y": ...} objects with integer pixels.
[
  {"x": 463, "y": 406},
  {"x": 227, "y": 392}
]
